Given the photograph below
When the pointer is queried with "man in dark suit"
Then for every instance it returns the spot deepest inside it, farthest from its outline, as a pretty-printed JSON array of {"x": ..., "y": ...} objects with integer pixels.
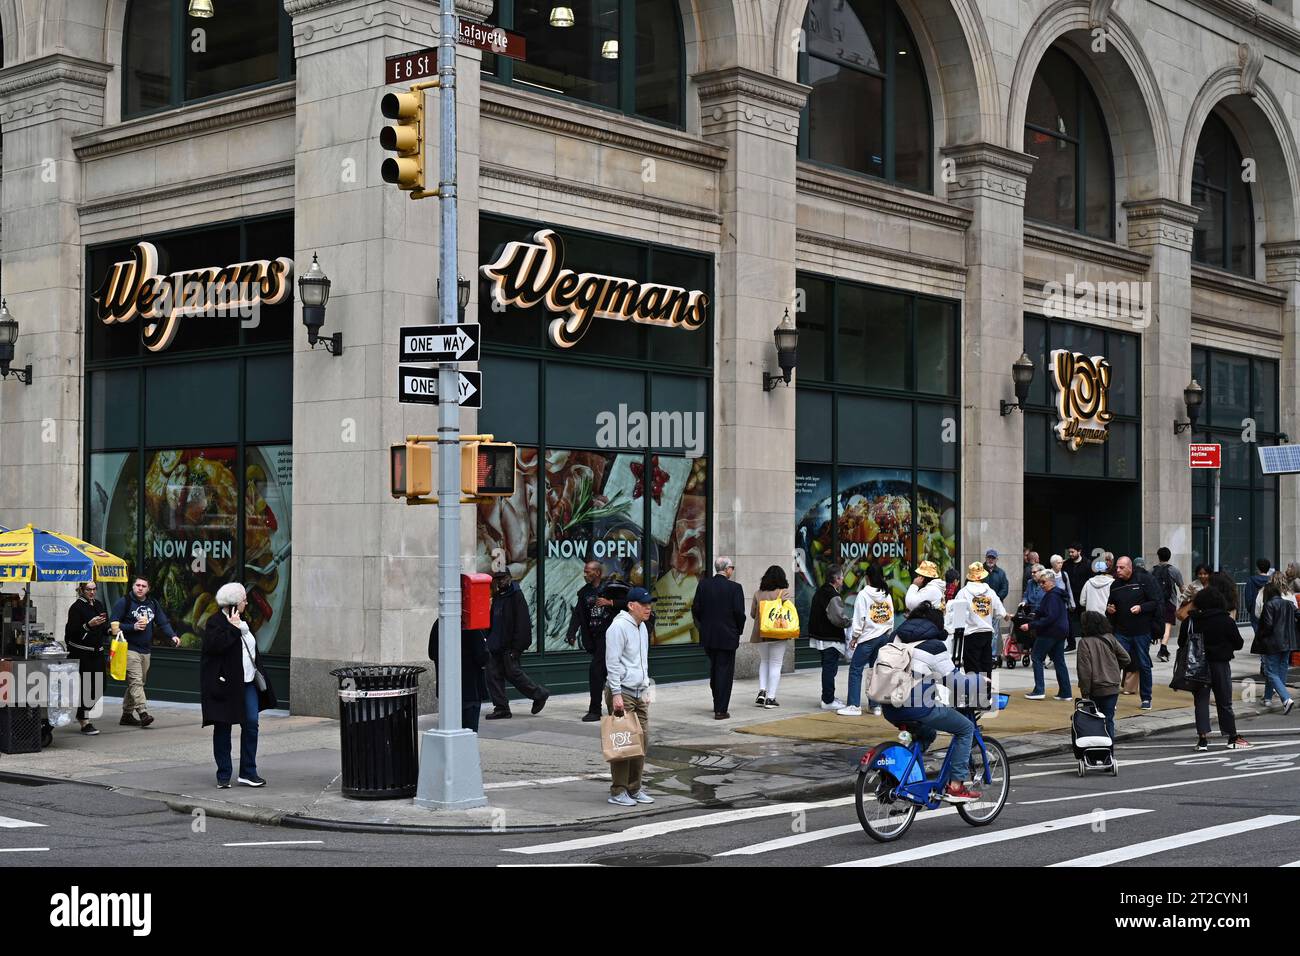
[{"x": 719, "y": 612}]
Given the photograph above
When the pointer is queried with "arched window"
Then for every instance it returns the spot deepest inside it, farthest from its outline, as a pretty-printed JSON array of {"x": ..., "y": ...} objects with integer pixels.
[
  {"x": 1225, "y": 233},
  {"x": 623, "y": 55},
  {"x": 170, "y": 58},
  {"x": 869, "y": 110},
  {"x": 1073, "y": 183}
]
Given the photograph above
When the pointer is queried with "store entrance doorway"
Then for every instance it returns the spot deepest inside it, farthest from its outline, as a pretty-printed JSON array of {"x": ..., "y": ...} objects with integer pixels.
[{"x": 1098, "y": 514}]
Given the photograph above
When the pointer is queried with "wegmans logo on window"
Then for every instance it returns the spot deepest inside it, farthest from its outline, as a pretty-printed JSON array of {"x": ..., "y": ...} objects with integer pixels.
[{"x": 526, "y": 274}]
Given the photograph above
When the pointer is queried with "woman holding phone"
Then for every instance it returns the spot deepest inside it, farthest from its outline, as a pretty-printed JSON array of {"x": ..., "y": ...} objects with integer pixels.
[
  {"x": 232, "y": 688},
  {"x": 86, "y": 635}
]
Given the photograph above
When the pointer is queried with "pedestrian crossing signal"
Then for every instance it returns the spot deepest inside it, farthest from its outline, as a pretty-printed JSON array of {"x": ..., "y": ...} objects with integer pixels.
[
  {"x": 411, "y": 470},
  {"x": 487, "y": 469}
]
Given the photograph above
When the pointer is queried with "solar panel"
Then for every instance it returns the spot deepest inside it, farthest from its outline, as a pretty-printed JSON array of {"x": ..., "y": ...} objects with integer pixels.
[{"x": 1279, "y": 459}]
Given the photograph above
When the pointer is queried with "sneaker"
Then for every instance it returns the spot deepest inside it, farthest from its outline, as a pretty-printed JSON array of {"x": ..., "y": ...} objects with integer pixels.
[
  {"x": 957, "y": 793},
  {"x": 1286, "y": 708},
  {"x": 1035, "y": 697},
  {"x": 590, "y": 716},
  {"x": 1067, "y": 700},
  {"x": 770, "y": 703},
  {"x": 498, "y": 715},
  {"x": 622, "y": 800},
  {"x": 836, "y": 704},
  {"x": 223, "y": 784},
  {"x": 145, "y": 719},
  {"x": 850, "y": 711},
  {"x": 129, "y": 720},
  {"x": 761, "y": 699},
  {"x": 1271, "y": 703},
  {"x": 540, "y": 702},
  {"x": 1164, "y": 653},
  {"x": 1202, "y": 744},
  {"x": 641, "y": 796},
  {"x": 1145, "y": 705},
  {"x": 877, "y": 712},
  {"x": 252, "y": 780},
  {"x": 1239, "y": 743},
  {"x": 90, "y": 730}
]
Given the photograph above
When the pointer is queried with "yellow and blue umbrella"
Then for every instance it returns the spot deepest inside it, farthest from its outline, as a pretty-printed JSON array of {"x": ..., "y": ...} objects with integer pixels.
[{"x": 30, "y": 554}]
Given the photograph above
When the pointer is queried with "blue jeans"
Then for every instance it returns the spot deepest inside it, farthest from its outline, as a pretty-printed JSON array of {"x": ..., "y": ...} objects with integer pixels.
[
  {"x": 1275, "y": 668},
  {"x": 1138, "y": 648},
  {"x": 963, "y": 736},
  {"x": 864, "y": 656},
  {"x": 1053, "y": 647},
  {"x": 247, "y": 739},
  {"x": 831, "y": 658},
  {"x": 1106, "y": 707}
]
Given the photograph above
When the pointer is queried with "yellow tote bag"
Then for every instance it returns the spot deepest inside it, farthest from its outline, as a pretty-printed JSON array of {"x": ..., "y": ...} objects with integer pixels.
[
  {"x": 778, "y": 619},
  {"x": 117, "y": 658}
]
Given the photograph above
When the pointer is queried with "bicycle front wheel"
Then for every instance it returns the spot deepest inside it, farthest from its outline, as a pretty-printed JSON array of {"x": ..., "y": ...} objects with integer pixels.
[
  {"x": 885, "y": 818},
  {"x": 993, "y": 795}
]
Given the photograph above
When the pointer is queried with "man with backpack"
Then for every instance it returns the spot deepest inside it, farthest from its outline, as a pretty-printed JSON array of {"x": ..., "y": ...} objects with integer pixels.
[
  {"x": 592, "y": 614},
  {"x": 137, "y": 614},
  {"x": 1169, "y": 582}
]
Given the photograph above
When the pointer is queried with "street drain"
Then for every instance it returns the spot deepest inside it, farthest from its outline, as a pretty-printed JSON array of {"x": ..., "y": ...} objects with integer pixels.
[{"x": 652, "y": 859}]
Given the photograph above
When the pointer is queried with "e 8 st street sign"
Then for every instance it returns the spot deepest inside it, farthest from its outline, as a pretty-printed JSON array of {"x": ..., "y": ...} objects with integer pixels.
[{"x": 1204, "y": 455}]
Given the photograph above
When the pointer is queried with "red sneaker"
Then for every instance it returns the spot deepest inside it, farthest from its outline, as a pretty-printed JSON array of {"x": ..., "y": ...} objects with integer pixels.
[{"x": 957, "y": 793}]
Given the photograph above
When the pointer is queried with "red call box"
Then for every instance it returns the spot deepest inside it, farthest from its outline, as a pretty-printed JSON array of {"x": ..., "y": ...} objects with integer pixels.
[
  {"x": 475, "y": 602},
  {"x": 1204, "y": 455}
]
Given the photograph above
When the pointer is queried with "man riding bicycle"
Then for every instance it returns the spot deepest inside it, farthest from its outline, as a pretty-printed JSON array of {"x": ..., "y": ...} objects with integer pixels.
[{"x": 932, "y": 664}]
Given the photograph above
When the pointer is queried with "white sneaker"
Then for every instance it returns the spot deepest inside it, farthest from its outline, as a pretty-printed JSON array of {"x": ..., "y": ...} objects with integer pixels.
[
  {"x": 641, "y": 796},
  {"x": 850, "y": 711},
  {"x": 1272, "y": 703},
  {"x": 877, "y": 712},
  {"x": 1035, "y": 697},
  {"x": 833, "y": 705},
  {"x": 622, "y": 800}
]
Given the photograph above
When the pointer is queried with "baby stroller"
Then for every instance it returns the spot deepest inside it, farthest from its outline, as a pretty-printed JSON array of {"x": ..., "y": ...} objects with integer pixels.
[
  {"x": 1093, "y": 747},
  {"x": 1018, "y": 643}
]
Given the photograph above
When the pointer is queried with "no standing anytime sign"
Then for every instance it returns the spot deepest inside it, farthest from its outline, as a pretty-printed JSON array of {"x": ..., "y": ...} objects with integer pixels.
[{"x": 1204, "y": 455}]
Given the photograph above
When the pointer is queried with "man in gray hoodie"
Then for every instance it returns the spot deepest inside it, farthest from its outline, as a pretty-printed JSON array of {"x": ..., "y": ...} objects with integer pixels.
[{"x": 627, "y": 644}]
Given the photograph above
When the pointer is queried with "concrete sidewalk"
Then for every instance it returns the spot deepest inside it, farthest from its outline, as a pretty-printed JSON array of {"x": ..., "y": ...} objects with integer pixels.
[{"x": 547, "y": 771}]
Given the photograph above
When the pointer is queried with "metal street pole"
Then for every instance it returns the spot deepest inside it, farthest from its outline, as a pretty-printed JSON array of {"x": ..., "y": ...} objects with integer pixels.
[
  {"x": 1217, "y": 472},
  {"x": 451, "y": 777}
]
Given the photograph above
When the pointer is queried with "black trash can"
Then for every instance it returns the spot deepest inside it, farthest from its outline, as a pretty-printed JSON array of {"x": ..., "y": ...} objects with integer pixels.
[{"x": 378, "y": 730}]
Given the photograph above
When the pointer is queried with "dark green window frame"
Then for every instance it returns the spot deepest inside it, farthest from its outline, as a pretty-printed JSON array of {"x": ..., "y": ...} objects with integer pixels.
[
  {"x": 179, "y": 36},
  {"x": 501, "y": 69},
  {"x": 1232, "y": 161},
  {"x": 894, "y": 23}
]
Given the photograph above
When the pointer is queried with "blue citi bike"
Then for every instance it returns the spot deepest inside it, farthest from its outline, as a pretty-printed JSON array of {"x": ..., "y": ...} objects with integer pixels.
[{"x": 892, "y": 783}]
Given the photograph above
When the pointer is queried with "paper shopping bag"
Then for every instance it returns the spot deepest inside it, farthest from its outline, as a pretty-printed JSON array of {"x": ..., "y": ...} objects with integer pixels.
[
  {"x": 1131, "y": 682},
  {"x": 621, "y": 737}
]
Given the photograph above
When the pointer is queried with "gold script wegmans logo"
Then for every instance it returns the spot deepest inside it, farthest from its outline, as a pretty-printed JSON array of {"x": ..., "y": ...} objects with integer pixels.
[
  {"x": 1083, "y": 398},
  {"x": 526, "y": 274}
]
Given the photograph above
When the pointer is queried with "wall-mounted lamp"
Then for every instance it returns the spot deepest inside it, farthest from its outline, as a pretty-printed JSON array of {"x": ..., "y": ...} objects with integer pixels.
[
  {"x": 1193, "y": 395},
  {"x": 1022, "y": 376},
  {"x": 462, "y": 295},
  {"x": 314, "y": 291},
  {"x": 787, "y": 352},
  {"x": 8, "y": 336}
]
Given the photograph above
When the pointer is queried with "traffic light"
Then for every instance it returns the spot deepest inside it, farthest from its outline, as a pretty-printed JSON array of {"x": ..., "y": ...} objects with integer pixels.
[
  {"x": 406, "y": 138},
  {"x": 487, "y": 469},
  {"x": 411, "y": 470}
]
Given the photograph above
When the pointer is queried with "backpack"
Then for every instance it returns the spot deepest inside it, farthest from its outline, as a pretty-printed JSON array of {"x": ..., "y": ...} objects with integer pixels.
[
  {"x": 1166, "y": 581},
  {"x": 892, "y": 679}
]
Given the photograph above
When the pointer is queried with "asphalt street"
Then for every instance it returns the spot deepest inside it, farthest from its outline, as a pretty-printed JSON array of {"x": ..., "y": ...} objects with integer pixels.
[{"x": 1169, "y": 807}]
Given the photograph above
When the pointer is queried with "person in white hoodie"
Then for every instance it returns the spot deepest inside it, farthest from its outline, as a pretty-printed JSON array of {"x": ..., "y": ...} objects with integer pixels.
[
  {"x": 984, "y": 615},
  {"x": 627, "y": 645},
  {"x": 872, "y": 625},
  {"x": 1096, "y": 590},
  {"x": 926, "y": 586}
]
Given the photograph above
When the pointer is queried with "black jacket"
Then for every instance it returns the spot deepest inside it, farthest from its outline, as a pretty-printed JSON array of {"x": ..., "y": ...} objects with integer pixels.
[
  {"x": 1052, "y": 617},
  {"x": 512, "y": 625},
  {"x": 1124, "y": 595},
  {"x": 86, "y": 644},
  {"x": 1219, "y": 631},
  {"x": 719, "y": 612},
  {"x": 1077, "y": 573},
  {"x": 1276, "y": 633},
  {"x": 589, "y": 622},
  {"x": 221, "y": 672},
  {"x": 473, "y": 658},
  {"x": 819, "y": 624}
]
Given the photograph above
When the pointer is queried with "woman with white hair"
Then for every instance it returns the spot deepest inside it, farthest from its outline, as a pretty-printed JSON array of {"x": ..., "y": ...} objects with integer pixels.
[{"x": 232, "y": 688}]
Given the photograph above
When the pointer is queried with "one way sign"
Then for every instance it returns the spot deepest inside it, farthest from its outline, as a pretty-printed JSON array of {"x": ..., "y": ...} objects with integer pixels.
[
  {"x": 440, "y": 343},
  {"x": 419, "y": 386}
]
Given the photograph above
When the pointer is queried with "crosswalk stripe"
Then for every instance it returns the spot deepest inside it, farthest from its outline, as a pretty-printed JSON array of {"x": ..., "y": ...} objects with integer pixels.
[
  {"x": 799, "y": 839},
  {"x": 9, "y": 823},
  {"x": 1296, "y": 863},
  {"x": 987, "y": 837},
  {"x": 24, "y": 849},
  {"x": 648, "y": 830},
  {"x": 1150, "y": 847},
  {"x": 1158, "y": 786}
]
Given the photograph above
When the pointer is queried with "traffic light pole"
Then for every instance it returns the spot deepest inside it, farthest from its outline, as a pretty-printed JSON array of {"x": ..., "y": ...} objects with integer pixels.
[{"x": 451, "y": 776}]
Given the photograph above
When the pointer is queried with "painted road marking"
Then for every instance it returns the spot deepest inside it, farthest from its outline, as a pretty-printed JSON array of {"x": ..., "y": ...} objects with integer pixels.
[
  {"x": 988, "y": 837},
  {"x": 647, "y": 830},
  {"x": 545, "y": 782},
  {"x": 276, "y": 843},
  {"x": 1100, "y": 794},
  {"x": 799, "y": 839},
  {"x": 1148, "y": 848},
  {"x": 9, "y": 823},
  {"x": 25, "y": 849}
]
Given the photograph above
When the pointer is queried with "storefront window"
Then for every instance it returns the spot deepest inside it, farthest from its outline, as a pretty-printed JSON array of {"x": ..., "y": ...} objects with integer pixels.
[{"x": 869, "y": 109}]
